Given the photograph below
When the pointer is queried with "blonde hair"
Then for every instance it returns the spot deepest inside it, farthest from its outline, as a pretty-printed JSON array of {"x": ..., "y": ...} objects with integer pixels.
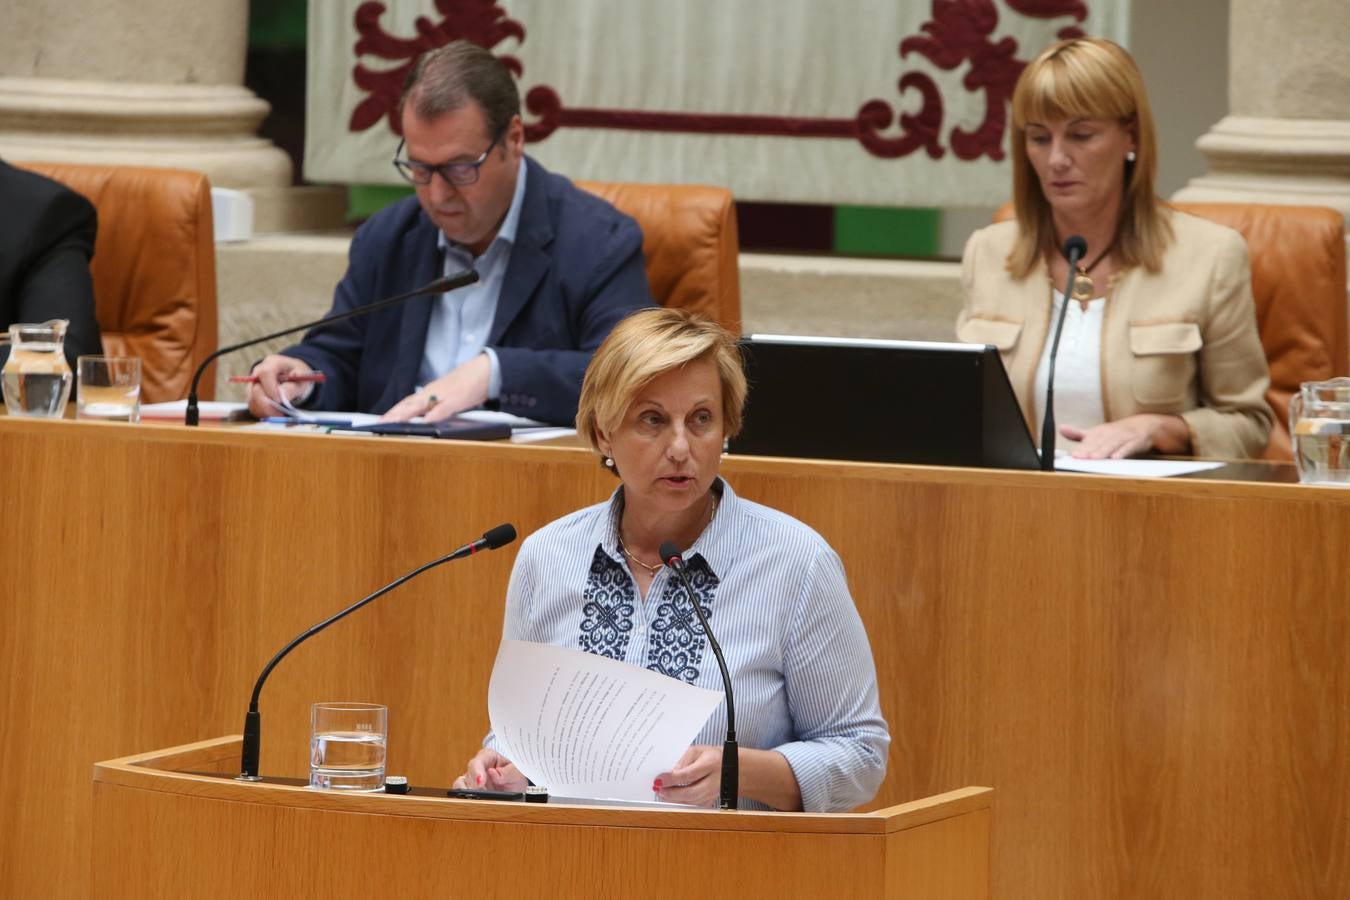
[
  {"x": 1087, "y": 78},
  {"x": 644, "y": 346}
]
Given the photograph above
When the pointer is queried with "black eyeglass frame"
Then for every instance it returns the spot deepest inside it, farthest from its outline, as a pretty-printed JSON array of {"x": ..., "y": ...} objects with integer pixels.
[{"x": 407, "y": 167}]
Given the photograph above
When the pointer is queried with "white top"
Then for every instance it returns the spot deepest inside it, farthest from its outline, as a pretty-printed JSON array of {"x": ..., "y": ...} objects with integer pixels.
[{"x": 1078, "y": 369}]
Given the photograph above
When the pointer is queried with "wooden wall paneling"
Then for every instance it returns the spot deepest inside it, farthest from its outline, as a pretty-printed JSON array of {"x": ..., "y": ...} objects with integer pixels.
[{"x": 1153, "y": 674}]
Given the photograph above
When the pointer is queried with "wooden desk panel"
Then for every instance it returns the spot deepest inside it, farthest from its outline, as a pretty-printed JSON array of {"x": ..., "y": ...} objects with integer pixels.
[
  {"x": 1152, "y": 674},
  {"x": 161, "y": 833}
]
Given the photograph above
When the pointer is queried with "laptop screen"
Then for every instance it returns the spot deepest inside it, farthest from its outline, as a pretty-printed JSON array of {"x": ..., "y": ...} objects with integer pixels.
[{"x": 882, "y": 401}]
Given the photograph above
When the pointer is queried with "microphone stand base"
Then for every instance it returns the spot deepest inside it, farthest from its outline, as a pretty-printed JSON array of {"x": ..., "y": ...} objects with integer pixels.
[{"x": 248, "y": 778}]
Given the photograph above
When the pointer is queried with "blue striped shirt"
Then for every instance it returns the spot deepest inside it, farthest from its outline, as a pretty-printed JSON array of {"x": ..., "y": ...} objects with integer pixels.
[{"x": 776, "y": 597}]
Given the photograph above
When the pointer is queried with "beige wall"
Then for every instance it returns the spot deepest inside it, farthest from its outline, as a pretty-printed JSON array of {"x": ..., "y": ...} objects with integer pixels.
[
  {"x": 140, "y": 42},
  {"x": 1182, "y": 49}
]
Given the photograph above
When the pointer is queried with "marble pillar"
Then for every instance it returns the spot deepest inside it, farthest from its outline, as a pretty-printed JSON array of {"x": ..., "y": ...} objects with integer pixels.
[
  {"x": 135, "y": 82},
  {"x": 1286, "y": 138}
]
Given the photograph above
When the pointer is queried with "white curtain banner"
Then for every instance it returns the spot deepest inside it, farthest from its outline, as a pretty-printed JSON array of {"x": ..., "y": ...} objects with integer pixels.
[{"x": 792, "y": 101}]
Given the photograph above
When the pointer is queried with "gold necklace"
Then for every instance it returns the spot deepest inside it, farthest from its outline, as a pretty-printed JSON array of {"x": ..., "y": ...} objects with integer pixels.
[
  {"x": 1083, "y": 286},
  {"x": 657, "y": 568},
  {"x": 634, "y": 557}
]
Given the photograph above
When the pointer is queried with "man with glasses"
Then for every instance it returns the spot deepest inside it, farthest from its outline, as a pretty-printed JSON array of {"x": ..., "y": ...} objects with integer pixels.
[{"x": 557, "y": 268}]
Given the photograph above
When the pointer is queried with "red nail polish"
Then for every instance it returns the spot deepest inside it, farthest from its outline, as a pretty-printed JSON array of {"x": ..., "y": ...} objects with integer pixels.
[
  {"x": 656, "y": 785},
  {"x": 480, "y": 779}
]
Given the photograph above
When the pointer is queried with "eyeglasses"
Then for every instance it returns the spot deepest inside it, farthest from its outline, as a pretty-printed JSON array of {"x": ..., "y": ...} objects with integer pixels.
[{"x": 456, "y": 173}]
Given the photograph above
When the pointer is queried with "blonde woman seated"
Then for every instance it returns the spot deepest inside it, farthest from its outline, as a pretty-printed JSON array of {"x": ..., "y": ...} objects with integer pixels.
[
  {"x": 661, "y": 395},
  {"x": 1159, "y": 352}
]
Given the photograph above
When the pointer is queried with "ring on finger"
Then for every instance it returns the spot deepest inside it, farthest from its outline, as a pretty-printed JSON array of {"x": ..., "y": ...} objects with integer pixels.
[{"x": 432, "y": 400}]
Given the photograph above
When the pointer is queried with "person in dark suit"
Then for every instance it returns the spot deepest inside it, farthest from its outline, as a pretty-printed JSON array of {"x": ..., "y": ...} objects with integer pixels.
[
  {"x": 46, "y": 241},
  {"x": 558, "y": 268}
]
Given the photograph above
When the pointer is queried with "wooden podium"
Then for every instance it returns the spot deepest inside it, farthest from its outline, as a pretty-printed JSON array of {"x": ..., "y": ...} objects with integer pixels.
[
  {"x": 164, "y": 826},
  {"x": 1158, "y": 697}
]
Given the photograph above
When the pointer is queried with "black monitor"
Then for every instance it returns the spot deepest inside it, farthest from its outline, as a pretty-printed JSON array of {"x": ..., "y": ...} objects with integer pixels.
[{"x": 882, "y": 401}]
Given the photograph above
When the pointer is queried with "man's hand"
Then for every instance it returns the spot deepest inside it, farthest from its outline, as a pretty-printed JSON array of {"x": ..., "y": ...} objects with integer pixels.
[
  {"x": 264, "y": 393},
  {"x": 460, "y": 389}
]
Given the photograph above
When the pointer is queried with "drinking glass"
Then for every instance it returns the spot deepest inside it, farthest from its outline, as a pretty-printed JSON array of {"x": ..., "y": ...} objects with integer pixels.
[
  {"x": 108, "y": 388},
  {"x": 347, "y": 746}
]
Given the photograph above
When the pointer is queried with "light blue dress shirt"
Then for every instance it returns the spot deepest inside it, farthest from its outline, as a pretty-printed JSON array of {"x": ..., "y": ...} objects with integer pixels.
[
  {"x": 461, "y": 320},
  {"x": 777, "y": 599}
]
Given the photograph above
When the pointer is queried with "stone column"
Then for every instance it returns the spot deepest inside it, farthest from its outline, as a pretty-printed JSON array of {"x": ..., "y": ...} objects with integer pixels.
[
  {"x": 1286, "y": 138},
  {"x": 136, "y": 82}
]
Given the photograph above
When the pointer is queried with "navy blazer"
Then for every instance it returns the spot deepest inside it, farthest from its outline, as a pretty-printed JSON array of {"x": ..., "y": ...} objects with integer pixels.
[
  {"x": 46, "y": 241},
  {"x": 575, "y": 270}
]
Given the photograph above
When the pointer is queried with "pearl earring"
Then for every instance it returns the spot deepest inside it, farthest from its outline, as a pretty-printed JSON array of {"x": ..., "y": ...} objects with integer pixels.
[
  {"x": 609, "y": 463},
  {"x": 1130, "y": 157}
]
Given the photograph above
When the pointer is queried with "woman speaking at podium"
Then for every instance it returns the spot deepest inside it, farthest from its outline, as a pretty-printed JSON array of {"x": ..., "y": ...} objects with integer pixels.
[
  {"x": 1159, "y": 352},
  {"x": 660, "y": 397}
]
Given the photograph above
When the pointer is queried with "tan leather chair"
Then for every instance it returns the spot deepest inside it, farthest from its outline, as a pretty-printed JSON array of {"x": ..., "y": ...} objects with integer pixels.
[
  {"x": 1298, "y": 282},
  {"x": 690, "y": 241},
  {"x": 154, "y": 269}
]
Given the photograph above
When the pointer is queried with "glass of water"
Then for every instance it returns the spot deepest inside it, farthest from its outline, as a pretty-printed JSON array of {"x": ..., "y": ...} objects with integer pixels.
[
  {"x": 108, "y": 388},
  {"x": 347, "y": 746}
]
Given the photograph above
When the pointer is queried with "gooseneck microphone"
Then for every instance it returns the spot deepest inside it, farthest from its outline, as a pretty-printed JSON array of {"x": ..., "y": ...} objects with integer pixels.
[
  {"x": 670, "y": 554},
  {"x": 439, "y": 286},
  {"x": 248, "y": 763},
  {"x": 1075, "y": 248}
]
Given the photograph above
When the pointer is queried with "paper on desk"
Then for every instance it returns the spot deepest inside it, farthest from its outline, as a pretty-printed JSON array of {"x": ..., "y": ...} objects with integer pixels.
[
  {"x": 493, "y": 416},
  {"x": 1134, "y": 468},
  {"x": 474, "y": 415},
  {"x": 355, "y": 418},
  {"x": 207, "y": 410},
  {"x": 588, "y": 726},
  {"x": 523, "y": 430}
]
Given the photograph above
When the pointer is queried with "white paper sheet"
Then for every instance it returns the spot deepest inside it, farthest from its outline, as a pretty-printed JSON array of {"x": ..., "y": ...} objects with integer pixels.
[
  {"x": 1135, "y": 468},
  {"x": 517, "y": 423},
  {"x": 523, "y": 430},
  {"x": 493, "y": 416},
  {"x": 207, "y": 410},
  {"x": 588, "y": 726}
]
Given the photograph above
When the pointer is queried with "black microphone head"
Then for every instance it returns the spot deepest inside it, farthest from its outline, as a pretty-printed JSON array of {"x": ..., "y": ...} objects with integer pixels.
[
  {"x": 670, "y": 551},
  {"x": 500, "y": 536},
  {"x": 449, "y": 282},
  {"x": 1075, "y": 248}
]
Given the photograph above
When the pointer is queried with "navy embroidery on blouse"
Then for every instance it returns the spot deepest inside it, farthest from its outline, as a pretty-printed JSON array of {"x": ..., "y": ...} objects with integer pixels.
[
  {"x": 676, "y": 645},
  {"x": 677, "y": 642},
  {"x": 607, "y": 612}
]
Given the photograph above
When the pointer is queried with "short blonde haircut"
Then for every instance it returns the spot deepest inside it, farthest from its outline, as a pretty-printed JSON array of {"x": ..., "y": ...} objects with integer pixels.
[
  {"x": 1087, "y": 78},
  {"x": 646, "y": 345}
]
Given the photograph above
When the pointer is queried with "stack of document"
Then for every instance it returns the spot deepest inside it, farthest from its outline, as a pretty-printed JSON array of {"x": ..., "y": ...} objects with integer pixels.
[
  {"x": 207, "y": 411},
  {"x": 522, "y": 430}
]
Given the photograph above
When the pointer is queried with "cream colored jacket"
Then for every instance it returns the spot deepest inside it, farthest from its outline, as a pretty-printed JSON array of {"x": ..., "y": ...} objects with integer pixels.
[{"x": 1182, "y": 341}]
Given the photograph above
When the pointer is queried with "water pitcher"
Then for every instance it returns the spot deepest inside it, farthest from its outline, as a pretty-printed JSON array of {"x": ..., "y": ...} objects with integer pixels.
[
  {"x": 1319, "y": 421},
  {"x": 36, "y": 378}
]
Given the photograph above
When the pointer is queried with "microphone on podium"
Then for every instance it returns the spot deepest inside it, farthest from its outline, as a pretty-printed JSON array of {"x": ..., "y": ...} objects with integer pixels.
[
  {"x": 248, "y": 764},
  {"x": 1075, "y": 248},
  {"x": 728, "y": 794},
  {"x": 439, "y": 286}
]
